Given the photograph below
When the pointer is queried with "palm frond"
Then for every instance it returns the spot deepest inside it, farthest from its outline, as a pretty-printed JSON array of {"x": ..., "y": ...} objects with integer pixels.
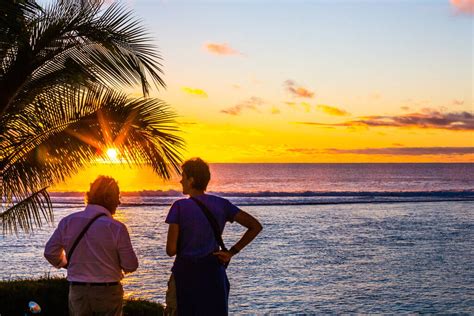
[
  {"x": 62, "y": 132},
  {"x": 28, "y": 213},
  {"x": 58, "y": 111},
  {"x": 108, "y": 46}
]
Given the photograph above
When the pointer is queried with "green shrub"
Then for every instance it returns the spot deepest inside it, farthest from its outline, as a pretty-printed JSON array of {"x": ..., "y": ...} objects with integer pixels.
[{"x": 51, "y": 294}]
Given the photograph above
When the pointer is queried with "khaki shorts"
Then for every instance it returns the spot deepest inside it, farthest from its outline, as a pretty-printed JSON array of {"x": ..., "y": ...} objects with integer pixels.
[
  {"x": 171, "y": 302},
  {"x": 85, "y": 300}
]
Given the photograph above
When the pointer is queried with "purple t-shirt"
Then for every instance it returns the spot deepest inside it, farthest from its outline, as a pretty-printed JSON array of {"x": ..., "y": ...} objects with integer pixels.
[{"x": 196, "y": 238}]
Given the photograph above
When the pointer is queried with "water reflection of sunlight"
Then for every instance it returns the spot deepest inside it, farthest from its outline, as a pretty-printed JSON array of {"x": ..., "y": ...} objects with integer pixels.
[
  {"x": 121, "y": 216},
  {"x": 128, "y": 294}
]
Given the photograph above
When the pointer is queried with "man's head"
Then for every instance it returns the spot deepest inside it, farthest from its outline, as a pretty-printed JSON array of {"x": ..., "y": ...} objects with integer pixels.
[
  {"x": 196, "y": 175},
  {"x": 104, "y": 191}
]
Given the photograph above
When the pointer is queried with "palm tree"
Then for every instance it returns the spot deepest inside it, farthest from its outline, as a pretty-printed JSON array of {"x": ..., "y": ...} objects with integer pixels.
[{"x": 61, "y": 68}]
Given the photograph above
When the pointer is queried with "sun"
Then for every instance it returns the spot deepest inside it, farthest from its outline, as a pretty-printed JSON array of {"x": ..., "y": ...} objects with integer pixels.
[{"x": 112, "y": 153}]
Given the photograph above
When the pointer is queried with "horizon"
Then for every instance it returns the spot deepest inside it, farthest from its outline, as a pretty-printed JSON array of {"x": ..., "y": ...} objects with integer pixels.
[
  {"x": 133, "y": 180},
  {"x": 314, "y": 82}
]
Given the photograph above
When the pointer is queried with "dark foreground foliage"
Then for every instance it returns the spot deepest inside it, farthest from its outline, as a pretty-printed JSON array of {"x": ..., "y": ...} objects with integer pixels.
[{"x": 51, "y": 294}]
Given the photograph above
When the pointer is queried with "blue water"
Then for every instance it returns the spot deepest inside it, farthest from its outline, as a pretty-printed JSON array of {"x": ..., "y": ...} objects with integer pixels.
[
  {"x": 353, "y": 255},
  {"x": 371, "y": 258}
]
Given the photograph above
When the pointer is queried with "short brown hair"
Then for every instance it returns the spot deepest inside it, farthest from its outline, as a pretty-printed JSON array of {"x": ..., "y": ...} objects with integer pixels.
[
  {"x": 102, "y": 190},
  {"x": 197, "y": 169}
]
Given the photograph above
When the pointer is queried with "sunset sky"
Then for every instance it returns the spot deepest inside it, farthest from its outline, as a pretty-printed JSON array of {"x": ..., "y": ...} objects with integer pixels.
[{"x": 315, "y": 81}]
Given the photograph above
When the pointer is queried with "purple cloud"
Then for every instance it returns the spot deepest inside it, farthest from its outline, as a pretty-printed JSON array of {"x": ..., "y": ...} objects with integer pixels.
[
  {"x": 457, "y": 121},
  {"x": 405, "y": 151},
  {"x": 298, "y": 91},
  {"x": 251, "y": 104}
]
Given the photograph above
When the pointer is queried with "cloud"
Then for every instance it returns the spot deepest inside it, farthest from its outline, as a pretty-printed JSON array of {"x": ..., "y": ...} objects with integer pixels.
[
  {"x": 275, "y": 110},
  {"x": 331, "y": 110},
  {"x": 306, "y": 151},
  {"x": 458, "y": 102},
  {"x": 306, "y": 106},
  {"x": 220, "y": 49},
  {"x": 463, "y": 6},
  {"x": 251, "y": 104},
  {"x": 291, "y": 105},
  {"x": 457, "y": 121},
  {"x": 298, "y": 91},
  {"x": 405, "y": 151},
  {"x": 197, "y": 92},
  {"x": 302, "y": 106},
  {"x": 405, "y": 108},
  {"x": 397, "y": 151}
]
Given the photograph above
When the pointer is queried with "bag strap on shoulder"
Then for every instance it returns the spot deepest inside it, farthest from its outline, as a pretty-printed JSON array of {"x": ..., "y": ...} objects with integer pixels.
[
  {"x": 212, "y": 220},
  {"x": 79, "y": 237}
]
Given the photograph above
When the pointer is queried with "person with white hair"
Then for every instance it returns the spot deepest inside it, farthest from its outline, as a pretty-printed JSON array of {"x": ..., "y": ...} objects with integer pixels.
[{"x": 96, "y": 250}]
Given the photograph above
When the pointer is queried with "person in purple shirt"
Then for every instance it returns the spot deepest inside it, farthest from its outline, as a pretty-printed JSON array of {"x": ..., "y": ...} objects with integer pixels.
[
  {"x": 102, "y": 256},
  {"x": 198, "y": 275}
]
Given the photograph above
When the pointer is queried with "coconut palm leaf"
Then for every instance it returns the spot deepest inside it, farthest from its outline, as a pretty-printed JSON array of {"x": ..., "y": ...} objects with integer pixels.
[
  {"x": 58, "y": 112},
  {"x": 108, "y": 46},
  {"x": 63, "y": 131},
  {"x": 26, "y": 213}
]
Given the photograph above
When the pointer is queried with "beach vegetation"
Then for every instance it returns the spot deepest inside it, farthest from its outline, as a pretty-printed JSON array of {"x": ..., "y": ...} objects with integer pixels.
[
  {"x": 51, "y": 294},
  {"x": 63, "y": 67}
]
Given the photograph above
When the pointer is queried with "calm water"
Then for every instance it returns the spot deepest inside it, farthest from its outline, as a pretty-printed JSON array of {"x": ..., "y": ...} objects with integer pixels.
[
  {"x": 245, "y": 178},
  {"x": 337, "y": 258}
]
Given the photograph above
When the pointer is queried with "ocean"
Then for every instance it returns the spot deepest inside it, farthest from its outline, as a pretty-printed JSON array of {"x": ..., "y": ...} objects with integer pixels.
[{"x": 337, "y": 238}]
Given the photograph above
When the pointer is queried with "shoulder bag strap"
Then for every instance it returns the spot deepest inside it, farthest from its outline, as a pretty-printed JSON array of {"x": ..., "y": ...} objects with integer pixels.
[
  {"x": 212, "y": 220},
  {"x": 79, "y": 237}
]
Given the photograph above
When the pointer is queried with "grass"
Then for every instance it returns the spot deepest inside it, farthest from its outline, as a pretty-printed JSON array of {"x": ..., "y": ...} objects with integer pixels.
[{"x": 51, "y": 294}]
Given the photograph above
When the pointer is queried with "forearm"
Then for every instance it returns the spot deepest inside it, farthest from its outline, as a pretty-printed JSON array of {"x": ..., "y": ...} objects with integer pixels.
[
  {"x": 253, "y": 229},
  {"x": 57, "y": 259},
  {"x": 128, "y": 258},
  {"x": 128, "y": 261},
  {"x": 54, "y": 251},
  {"x": 247, "y": 238}
]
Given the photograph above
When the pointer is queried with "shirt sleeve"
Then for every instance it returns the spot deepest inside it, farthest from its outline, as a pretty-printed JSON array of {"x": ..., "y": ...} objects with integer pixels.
[
  {"x": 128, "y": 258},
  {"x": 231, "y": 210},
  {"x": 54, "y": 250},
  {"x": 173, "y": 214}
]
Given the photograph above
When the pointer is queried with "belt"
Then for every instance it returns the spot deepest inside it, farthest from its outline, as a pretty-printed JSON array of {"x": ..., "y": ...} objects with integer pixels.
[{"x": 94, "y": 284}]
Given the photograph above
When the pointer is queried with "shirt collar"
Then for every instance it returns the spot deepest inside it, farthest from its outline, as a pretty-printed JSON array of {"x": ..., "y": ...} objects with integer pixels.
[{"x": 96, "y": 209}]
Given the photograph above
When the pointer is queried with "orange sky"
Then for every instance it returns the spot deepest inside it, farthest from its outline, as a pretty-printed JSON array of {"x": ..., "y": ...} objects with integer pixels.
[{"x": 312, "y": 82}]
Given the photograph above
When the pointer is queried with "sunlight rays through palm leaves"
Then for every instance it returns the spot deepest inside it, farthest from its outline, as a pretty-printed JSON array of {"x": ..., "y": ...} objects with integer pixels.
[
  {"x": 77, "y": 125},
  {"x": 61, "y": 68}
]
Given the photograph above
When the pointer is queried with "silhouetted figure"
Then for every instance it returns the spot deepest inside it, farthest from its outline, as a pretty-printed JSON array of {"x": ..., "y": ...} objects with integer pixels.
[
  {"x": 198, "y": 274},
  {"x": 102, "y": 253}
]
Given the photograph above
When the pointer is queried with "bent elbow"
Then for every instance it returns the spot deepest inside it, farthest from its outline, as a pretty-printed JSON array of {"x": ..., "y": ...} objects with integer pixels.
[
  {"x": 257, "y": 227},
  {"x": 170, "y": 252},
  {"x": 131, "y": 268},
  {"x": 51, "y": 258},
  {"x": 130, "y": 265}
]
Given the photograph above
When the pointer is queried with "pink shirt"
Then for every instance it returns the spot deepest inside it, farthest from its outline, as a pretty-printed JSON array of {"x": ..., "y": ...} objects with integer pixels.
[{"x": 103, "y": 252}]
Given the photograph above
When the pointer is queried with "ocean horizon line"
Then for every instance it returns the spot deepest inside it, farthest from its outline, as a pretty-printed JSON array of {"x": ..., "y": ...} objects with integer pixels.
[
  {"x": 299, "y": 203},
  {"x": 165, "y": 198},
  {"x": 347, "y": 163},
  {"x": 177, "y": 193}
]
